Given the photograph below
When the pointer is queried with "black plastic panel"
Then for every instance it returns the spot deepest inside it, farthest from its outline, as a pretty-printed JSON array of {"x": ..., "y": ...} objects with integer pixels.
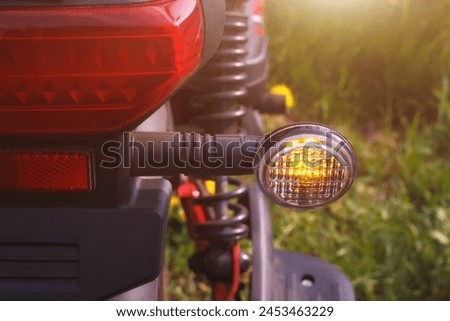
[
  {"x": 83, "y": 254},
  {"x": 214, "y": 19},
  {"x": 304, "y": 278}
]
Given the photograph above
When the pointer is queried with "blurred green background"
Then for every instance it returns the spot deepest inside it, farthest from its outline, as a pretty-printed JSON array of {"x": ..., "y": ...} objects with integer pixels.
[{"x": 379, "y": 72}]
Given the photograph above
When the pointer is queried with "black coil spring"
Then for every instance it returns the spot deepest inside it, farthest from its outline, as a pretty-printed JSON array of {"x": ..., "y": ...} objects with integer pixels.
[
  {"x": 223, "y": 78},
  {"x": 229, "y": 229},
  {"x": 223, "y": 82}
]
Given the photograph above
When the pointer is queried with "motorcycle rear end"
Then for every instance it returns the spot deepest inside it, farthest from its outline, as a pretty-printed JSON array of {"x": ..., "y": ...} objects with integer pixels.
[{"x": 108, "y": 106}]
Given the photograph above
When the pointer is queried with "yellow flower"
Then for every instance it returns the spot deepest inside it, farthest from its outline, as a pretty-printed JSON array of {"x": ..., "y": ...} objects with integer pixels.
[
  {"x": 174, "y": 201},
  {"x": 284, "y": 90},
  {"x": 210, "y": 187}
]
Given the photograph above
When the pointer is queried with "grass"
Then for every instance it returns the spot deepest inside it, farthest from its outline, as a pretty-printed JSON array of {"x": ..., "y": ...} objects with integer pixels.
[
  {"x": 390, "y": 233},
  {"x": 378, "y": 71}
]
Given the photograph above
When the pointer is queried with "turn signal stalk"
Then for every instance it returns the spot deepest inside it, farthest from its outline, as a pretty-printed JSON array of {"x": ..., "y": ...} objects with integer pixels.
[{"x": 301, "y": 166}]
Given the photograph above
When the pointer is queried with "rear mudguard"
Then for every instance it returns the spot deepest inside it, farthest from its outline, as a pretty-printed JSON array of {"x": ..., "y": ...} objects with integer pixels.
[
  {"x": 86, "y": 253},
  {"x": 285, "y": 276}
]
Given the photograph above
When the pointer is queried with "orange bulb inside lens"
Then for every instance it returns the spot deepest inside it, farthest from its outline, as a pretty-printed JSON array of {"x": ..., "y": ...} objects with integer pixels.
[{"x": 306, "y": 167}]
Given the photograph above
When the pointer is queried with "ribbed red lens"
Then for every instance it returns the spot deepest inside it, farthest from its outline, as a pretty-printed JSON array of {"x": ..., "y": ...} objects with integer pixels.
[
  {"x": 76, "y": 70},
  {"x": 45, "y": 171},
  {"x": 258, "y": 15}
]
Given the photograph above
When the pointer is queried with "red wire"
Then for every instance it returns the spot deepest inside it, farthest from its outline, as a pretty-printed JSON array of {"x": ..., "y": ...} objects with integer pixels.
[
  {"x": 195, "y": 214},
  {"x": 236, "y": 272},
  {"x": 219, "y": 291}
]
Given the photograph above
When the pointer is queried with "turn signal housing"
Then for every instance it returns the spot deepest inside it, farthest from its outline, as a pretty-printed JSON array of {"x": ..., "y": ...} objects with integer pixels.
[{"x": 305, "y": 166}]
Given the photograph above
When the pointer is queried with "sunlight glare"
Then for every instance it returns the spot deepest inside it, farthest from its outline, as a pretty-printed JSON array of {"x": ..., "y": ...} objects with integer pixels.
[{"x": 348, "y": 4}]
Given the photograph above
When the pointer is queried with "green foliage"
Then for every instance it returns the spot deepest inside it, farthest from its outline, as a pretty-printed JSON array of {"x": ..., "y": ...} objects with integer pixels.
[
  {"x": 371, "y": 60},
  {"x": 379, "y": 72},
  {"x": 391, "y": 232}
]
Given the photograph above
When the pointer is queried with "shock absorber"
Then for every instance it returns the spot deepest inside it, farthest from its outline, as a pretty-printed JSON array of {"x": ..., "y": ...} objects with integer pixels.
[
  {"x": 222, "y": 82},
  {"x": 223, "y": 79},
  {"x": 225, "y": 230},
  {"x": 221, "y": 89}
]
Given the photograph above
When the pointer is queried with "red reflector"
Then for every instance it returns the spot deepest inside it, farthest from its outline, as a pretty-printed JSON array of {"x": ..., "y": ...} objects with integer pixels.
[
  {"x": 77, "y": 70},
  {"x": 45, "y": 171}
]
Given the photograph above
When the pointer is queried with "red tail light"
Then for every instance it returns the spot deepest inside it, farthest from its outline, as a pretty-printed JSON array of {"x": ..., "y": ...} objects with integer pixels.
[
  {"x": 78, "y": 70},
  {"x": 258, "y": 16}
]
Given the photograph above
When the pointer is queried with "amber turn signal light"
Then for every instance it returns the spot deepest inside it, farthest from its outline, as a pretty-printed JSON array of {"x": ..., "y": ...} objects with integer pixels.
[{"x": 305, "y": 166}]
